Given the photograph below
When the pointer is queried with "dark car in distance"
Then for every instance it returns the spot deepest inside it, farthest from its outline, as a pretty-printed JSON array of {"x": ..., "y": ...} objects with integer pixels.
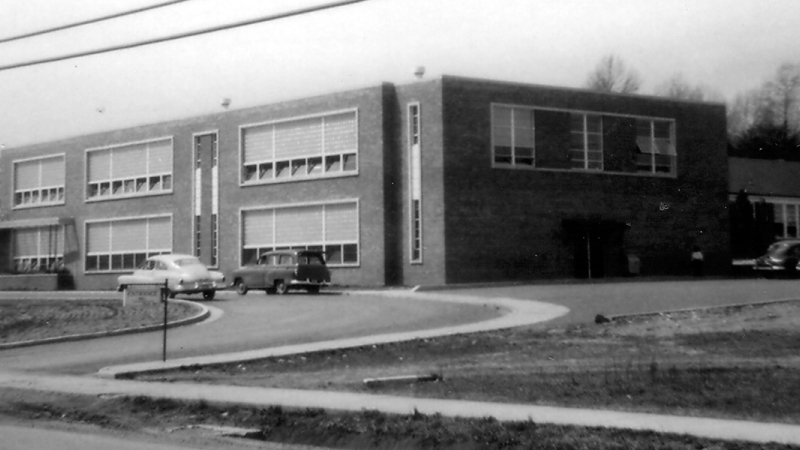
[
  {"x": 282, "y": 270},
  {"x": 782, "y": 257}
]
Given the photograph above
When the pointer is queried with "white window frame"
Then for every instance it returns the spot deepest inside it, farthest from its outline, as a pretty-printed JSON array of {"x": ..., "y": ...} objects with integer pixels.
[
  {"x": 147, "y": 251},
  {"x": 653, "y": 170},
  {"x": 56, "y": 258},
  {"x": 415, "y": 237},
  {"x": 58, "y": 191},
  {"x": 261, "y": 166},
  {"x": 513, "y": 163},
  {"x": 584, "y": 151},
  {"x": 534, "y": 108},
  {"x": 305, "y": 245},
  {"x": 197, "y": 198},
  {"x": 163, "y": 177}
]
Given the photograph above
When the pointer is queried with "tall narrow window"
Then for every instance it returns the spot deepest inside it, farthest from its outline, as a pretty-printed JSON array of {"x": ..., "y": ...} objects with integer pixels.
[
  {"x": 415, "y": 182},
  {"x": 206, "y": 199},
  {"x": 586, "y": 141},
  {"x": 513, "y": 136},
  {"x": 655, "y": 140}
]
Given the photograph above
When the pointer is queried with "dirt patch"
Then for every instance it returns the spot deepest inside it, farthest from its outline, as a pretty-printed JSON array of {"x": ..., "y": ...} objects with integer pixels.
[
  {"x": 27, "y": 320},
  {"x": 734, "y": 362}
]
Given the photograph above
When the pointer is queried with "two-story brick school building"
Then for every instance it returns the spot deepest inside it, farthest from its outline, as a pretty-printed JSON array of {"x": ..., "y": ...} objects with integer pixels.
[{"x": 450, "y": 180}]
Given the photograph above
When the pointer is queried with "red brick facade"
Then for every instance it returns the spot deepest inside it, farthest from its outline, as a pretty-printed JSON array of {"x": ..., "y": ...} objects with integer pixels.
[{"x": 478, "y": 222}]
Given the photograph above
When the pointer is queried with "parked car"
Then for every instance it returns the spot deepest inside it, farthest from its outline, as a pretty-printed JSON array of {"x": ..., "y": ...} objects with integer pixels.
[
  {"x": 282, "y": 270},
  {"x": 782, "y": 257},
  {"x": 184, "y": 274}
]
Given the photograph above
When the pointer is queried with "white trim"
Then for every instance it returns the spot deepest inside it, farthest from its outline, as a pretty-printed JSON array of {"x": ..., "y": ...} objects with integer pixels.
[
  {"x": 13, "y": 178},
  {"x": 123, "y": 196},
  {"x": 195, "y": 188},
  {"x": 412, "y": 188},
  {"x": 295, "y": 118},
  {"x": 87, "y": 222},
  {"x": 356, "y": 200},
  {"x": 128, "y": 144},
  {"x": 533, "y": 108},
  {"x": 581, "y": 111},
  {"x": 324, "y": 114}
]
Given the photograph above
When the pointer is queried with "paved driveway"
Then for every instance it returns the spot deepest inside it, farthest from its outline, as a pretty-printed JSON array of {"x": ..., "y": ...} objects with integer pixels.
[
  {"x": 250, "y": 322},
  {"x": 585, "y": 300}
]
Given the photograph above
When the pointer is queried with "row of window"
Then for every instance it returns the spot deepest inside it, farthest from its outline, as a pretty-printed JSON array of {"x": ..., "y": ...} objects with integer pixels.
[
  {"x": 581, "y": 140},
  {"x": 310, "y": 147},
  {"x": 123, "y": 244}
]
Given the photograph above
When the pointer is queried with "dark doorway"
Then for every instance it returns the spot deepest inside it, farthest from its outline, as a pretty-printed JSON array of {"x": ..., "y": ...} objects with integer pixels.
[{"x": 597, "y": 247}]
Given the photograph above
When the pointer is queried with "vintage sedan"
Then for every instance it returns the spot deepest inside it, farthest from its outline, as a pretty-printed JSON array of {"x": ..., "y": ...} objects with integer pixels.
[
  {"x": 782, "y": 258},
  {"x": 282, "y": 270},
  {"x": 183, "y": 274}
]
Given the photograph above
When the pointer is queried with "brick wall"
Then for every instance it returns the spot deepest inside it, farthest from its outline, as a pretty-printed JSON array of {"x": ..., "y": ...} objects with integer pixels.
[
  {"x": 367, "y": 187},
  {"x": 510, "y": 224}
]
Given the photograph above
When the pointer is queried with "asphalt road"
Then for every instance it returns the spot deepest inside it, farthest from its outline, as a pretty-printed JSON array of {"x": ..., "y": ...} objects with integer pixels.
[
  {"x": 586, "y": 300},
  {"x": 250, "y": 322}
]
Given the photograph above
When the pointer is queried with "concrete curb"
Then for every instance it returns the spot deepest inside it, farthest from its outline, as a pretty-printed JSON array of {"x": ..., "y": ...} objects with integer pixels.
[
  {"x": 518, "y": 313},
  {"x": 202, "y": 315}
]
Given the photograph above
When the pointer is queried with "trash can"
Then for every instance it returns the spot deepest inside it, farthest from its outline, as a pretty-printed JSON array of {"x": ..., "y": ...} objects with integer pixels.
[{"x": 633, "y": 264}]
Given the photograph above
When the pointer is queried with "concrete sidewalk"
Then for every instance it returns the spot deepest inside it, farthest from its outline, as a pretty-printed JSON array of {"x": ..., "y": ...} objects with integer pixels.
[
  {"x": 518, "y": 313},
  {"x": 702, "y": 427}
]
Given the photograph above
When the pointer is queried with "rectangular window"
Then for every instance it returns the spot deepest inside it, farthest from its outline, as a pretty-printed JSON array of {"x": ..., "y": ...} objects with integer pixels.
[
  {"x": 586, "y": 141},
  {"x": 655, "y": 141},
  {"x": 39, "y": 249},
  {"x": 415, "y": 183},
  {"x": 123, "y": 244},
  {"x": 39, "y": 182},
  {"x": 331, "y": 227},
  {"x": 129, "y": 170},
  {"x": 513, "y": 136},
  {"x": 787, "y": 217},
  {"x": 296, "y": 148}
]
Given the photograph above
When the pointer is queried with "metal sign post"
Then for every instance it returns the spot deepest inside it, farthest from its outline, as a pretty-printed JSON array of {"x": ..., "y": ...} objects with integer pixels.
[{"x": 164, "y": 295}]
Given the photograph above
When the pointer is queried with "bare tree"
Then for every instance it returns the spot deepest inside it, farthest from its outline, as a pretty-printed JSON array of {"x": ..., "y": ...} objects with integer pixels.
[
  {"x": 678, "y": 88},
  {"x": 745, "y": 111},
  {"x": 612, "y": 75},
  {"x": 775, "y": 104},
  {"x": 783, "y": 97}
]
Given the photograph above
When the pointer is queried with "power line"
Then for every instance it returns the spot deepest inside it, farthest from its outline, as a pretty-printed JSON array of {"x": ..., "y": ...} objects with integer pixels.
[
  {"x": 89, "y": 21},
  {"x": 183, "y": 35}
]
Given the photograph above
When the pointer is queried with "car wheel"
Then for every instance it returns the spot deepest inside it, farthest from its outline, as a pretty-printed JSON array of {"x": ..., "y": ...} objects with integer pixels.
[
  {"x": 209, "y": 295},
  {"x": 241, "y": 287},
  {"x": 270, "y": 291},
  {"x": 313, "y": 289},
  {"x": 280, "y": 287}
]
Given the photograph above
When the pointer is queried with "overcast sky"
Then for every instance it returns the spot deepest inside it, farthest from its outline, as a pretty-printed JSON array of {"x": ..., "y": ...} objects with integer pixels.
[{"x": 731, "y": 46}]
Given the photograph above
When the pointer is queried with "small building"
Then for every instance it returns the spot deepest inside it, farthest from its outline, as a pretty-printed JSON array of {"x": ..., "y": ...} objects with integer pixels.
[
  {"x": 450, "y": 180},
  {"x": 770, "y": 181}
]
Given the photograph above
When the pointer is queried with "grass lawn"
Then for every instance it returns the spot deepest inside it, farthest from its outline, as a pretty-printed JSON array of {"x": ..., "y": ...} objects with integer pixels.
[
  {"x": 734, "y": 362},
  {"x": 25, "y": 320}
]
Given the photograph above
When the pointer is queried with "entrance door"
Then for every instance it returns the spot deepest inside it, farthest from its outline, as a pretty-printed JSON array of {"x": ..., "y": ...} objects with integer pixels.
[
  {"x": 206, "y": 199},
  {"x": 597, "y": 247}
]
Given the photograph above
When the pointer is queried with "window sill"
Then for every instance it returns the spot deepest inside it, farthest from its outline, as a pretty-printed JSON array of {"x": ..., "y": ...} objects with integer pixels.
[
  {"x": 588, "y": 171},
  {"x": 298, "y": 179},
  {"x": 127, "y": 196},
  {"x": 38, "y": 205}
]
